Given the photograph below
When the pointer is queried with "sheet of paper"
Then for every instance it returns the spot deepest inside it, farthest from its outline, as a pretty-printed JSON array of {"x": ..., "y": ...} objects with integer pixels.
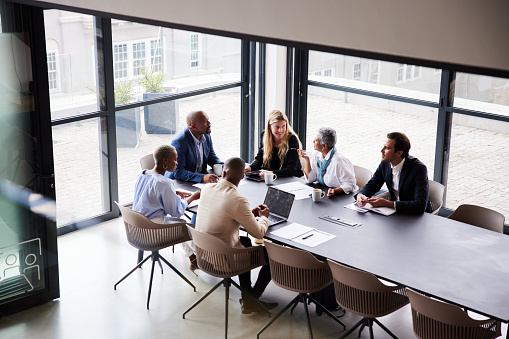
[
  {"x": 199, "y": 185},
  {"x": 300, "y": 190},
  {"x": 313, "y": 238},
  {"x": 193, "y": 203},
  {"x": 353, "y": 206},
  {"x": 382, "y": 210},
  {"x": 291, "y": 231}
]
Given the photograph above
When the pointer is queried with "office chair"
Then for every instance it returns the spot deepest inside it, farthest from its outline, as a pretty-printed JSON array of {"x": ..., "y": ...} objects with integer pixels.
[
  {"x": 480, "y": 217},
  {"x": 362, "y": 175},
  {"x": 363, "y": 294},
  {"x": 298, "y": 271},
  {"x": 432, "y": 318},
  {"x": 218, "y": 259},
  {"x": 146, "y": 235}
]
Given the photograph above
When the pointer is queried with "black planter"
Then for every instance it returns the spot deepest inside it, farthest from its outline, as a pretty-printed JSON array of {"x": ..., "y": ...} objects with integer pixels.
[
  {"x": 128, "y": 127},
  {"x": 160, "y": 118}
]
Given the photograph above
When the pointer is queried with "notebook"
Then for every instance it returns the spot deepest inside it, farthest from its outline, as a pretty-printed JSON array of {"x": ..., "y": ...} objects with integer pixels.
[{"x": 280, "y": 204}]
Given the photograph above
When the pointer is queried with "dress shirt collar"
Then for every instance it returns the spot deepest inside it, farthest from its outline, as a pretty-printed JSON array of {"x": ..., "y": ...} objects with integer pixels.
[
  {"x": 399, "y": 166},
  {"x": 320, "y": 155},
  {"x": 198, "y": 141}
]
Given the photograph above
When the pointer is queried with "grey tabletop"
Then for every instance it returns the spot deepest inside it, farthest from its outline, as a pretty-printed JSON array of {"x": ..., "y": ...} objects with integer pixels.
[{"x": 450, "y": 260}]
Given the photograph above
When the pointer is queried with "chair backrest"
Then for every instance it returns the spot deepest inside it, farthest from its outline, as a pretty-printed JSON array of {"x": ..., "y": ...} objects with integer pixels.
[
  {"x": 436, "y": 195},
  {"x": 219, "y": 259},
  {"x": 479, "y": 216},
  {"x": 147, "y": 235},
  {"x": 147, "y": 162},
  {"x": 297, "y": 270},
  {"x": 362, "y": 175},
  {"x": 435, "y": 319},
  {"x": 363, "y": 294}
]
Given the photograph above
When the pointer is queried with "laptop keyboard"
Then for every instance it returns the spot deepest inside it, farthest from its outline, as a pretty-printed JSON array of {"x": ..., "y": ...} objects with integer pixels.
[{"x": 273, "y": 218}]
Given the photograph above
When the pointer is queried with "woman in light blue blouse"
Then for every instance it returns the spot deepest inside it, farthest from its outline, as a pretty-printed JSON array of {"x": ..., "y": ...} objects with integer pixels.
[{"x": 156, "y": 197}]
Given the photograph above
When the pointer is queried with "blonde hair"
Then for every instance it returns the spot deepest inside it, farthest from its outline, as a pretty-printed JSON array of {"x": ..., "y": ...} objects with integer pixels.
[
  {"x": 268, "y": 139},
  {"x": 164, "y": 151}
]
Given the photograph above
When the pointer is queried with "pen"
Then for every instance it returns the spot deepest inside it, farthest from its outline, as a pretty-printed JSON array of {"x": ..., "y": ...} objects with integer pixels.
[{"x": 307, "y": 236}]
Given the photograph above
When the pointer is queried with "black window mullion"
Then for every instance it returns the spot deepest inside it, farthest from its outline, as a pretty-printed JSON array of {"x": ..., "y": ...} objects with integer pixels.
[
  {"x": 261, "y": 86},
  {"x": 244, "y": 103},
  {"x": 444, "y": 127},
  {"x": 106, "y": 99}
]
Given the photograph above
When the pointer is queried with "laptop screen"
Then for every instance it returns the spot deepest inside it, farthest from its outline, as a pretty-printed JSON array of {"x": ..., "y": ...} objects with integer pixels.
[{"x": 279, "y": 202}]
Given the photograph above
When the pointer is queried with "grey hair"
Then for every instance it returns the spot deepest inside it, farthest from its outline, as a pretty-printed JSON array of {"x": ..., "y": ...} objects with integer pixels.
[
  {"x": 164, "y": 151},
  {"x": 327, "y": 137}
]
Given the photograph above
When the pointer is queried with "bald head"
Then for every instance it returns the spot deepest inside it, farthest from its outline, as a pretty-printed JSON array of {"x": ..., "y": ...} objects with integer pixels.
[
  {"x": 233, "y": 170},
  {"x": 194, "y": 117}
]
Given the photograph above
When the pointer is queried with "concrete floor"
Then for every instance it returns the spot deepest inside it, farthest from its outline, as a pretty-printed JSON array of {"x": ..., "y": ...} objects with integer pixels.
[{"x": 93, "y": 259}]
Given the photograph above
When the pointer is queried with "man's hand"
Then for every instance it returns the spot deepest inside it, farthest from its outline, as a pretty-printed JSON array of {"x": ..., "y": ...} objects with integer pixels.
[
  {"x": 183, "y": 194},
  {"x": 209, "y": 178},
  {"x": 264, "y": 210},
  {"x": 362, "y": 200},
  {"x": 380, "y": 202},
  {"x": 194, "y": 196}
]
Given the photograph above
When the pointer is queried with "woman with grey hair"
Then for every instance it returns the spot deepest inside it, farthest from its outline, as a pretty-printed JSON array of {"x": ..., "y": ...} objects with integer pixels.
[
  {"x": 156, "y": 197},
  {"x": 327, "y": 165}
]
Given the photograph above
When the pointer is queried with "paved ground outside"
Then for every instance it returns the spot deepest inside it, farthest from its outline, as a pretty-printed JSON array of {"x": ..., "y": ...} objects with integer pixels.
[{"x": 478, "y": 162}]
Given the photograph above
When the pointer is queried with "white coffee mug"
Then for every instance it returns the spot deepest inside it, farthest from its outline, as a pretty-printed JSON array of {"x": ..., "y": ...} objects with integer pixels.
[
  {"x": 269, "y": 177},
  {"x": 317, "y": 195},
  {"x": 218, "y": 170}
]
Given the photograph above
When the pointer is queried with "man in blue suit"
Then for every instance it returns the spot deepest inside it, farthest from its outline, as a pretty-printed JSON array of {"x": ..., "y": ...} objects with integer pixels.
[
  {"x": 195, "y": 150},
  {"x": 405, "y": 176}
]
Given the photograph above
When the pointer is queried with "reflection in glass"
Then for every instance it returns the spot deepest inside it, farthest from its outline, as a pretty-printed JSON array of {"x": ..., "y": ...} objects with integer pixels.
[
  {"x": 223, "y": 109},
  {"x": 362, "y": 123},
  {"x": 374, "y": 75},
  {"x": 71, "y": 63},
  {"x": 156, "y": 61},
  {"x": 81, "y": 178},
  {"x": 478, "y": 164},
  {"x": 482, "y": 93}
]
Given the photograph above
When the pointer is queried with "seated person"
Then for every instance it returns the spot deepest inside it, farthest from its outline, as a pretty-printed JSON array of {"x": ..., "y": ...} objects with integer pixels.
[
  {"x": 156, "y": 197},
  {"x": 195, "y": 150},
  {"x": 278, "y": 149},
  {"x": 328, "y": 166},
  {"x": 405, "y": 176},
  {"x": 221, "y": 211}
]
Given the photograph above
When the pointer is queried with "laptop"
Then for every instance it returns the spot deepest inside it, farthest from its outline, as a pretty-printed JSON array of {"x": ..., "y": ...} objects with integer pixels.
[{"x": 280, "y": 204}]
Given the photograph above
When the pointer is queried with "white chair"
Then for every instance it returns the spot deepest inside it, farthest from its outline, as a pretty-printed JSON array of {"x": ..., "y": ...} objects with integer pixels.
[{"x": 362, "y": 175}]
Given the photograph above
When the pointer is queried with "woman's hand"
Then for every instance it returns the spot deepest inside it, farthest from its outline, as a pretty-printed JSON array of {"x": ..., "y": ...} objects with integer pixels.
[
  {"x": 247, "y": 169},
  {"x": 303, "y": 154}
]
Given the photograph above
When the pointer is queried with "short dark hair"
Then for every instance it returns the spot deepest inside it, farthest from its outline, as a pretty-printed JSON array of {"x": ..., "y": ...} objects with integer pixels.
[
  {"x": 401, "y": 142},
  {"x": 236, "y": 164}
]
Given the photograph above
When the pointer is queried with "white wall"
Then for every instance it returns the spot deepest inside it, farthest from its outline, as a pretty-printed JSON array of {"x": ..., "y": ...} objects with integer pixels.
[{"x": 466, "y": 32}]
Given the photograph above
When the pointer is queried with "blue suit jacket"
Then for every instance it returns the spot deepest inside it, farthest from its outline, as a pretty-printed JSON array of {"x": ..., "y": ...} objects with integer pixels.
[
  {"x": 413, "y": 186},
  {"x": 187, "y": 157}
]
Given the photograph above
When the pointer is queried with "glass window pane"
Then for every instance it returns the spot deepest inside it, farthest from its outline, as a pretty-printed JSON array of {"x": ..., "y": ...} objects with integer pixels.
[
  {"x": 71, "y": 63},
  {"x": 362, "y": 124},
  {"x": 375, "y": 75},
  {"x": 134, "y": 142},
  {"x": 178, "y": 61},
  {"x": 478, "y": 164},
  {"x": 81, "y": 179},
  {"x": 482, "y": 93}
]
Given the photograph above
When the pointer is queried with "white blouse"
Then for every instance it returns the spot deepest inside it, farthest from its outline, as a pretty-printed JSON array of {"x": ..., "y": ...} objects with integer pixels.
[{"x": 339, "y": 173}]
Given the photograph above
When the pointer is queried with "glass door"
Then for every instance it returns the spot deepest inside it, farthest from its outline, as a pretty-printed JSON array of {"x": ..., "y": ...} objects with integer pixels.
[{"x": 28, "y": 256}]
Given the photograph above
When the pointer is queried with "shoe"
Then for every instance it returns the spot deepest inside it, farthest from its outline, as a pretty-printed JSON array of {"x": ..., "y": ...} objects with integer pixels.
[
  {"x": 194, "y": 263},
  {"x": 249, "y": 306}
]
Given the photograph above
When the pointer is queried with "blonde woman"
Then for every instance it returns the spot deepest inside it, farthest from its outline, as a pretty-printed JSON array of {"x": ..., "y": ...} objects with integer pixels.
[{"x": 278, "y": 149}]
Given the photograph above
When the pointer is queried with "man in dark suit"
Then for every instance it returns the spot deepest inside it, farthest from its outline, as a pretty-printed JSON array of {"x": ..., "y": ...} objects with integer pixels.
[
  {"x": 195, "y": 150},
  {"x": 405, "y": 176}
]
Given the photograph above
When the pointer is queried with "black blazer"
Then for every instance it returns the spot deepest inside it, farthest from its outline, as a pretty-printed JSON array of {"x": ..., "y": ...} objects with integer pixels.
[
  {"x": 291, "y": 164},
  {"x": 413, "y": 186}
]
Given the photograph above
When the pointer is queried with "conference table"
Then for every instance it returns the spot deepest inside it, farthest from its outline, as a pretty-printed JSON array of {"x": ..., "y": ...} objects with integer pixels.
[{"x": 446, "y": 259}]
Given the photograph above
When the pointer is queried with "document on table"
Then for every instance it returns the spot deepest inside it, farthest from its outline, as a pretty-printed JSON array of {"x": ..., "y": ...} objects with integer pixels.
[
  {"x": 300, "y": 190},
  {"x": 368, "y": 207},
  {"x": 303, "y": 234}
]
